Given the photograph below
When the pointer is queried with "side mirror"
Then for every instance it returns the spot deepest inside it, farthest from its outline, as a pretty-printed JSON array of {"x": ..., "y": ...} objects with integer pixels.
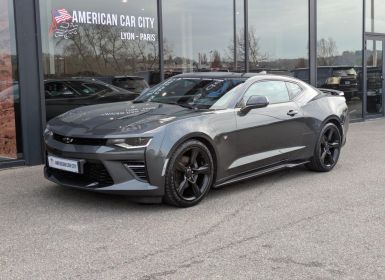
[{"x": 254, "y": 102}]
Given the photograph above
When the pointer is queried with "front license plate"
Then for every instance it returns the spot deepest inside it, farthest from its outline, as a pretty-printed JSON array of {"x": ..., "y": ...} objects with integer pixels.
[
  {"x": 347, "y": 82},
  {"x": 63, "y": 164}
]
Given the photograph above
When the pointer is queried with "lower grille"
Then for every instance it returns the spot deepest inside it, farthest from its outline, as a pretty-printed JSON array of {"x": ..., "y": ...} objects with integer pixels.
[
  {"x": 139, "y": 168},
  {"x": 95, "y": 175}
]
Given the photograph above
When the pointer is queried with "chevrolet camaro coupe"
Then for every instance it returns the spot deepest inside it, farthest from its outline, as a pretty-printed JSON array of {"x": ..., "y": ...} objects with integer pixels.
[{"x": 194, "y": 132}]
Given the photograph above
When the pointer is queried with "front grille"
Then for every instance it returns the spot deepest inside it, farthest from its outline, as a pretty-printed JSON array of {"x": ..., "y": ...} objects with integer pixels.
[
  {"x": 94, "y": 175},
  {"x": 80, "y": 141},
  {"x": 139, "y": 168}
]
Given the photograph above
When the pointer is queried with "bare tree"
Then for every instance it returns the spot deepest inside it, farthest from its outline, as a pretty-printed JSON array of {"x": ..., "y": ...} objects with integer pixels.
[
  {"x": 255, "y": 54},
  {"x": 100, "y": 50},
  {"x": 326, "y": 51},
  {"x": 216, "y": 61}
]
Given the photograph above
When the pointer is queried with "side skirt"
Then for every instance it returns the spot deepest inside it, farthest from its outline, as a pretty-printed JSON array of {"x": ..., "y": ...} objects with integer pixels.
[{"x": 258, "y": 172}]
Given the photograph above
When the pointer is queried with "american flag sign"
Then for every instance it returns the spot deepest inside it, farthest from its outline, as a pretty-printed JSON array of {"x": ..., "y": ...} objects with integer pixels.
[{"x": 59, "y": 16}]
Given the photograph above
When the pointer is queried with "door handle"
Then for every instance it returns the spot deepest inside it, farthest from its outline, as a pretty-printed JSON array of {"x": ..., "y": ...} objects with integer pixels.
[{"x": 292, "y": 113}]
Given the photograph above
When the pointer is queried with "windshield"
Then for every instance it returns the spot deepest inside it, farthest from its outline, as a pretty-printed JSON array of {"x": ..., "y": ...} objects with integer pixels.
[
  {"x": 87, "y": 88},
  {"x": 132, "y": 84},
  {"x": 224, "y": 101},
  {"x": 199, "y": 93}
]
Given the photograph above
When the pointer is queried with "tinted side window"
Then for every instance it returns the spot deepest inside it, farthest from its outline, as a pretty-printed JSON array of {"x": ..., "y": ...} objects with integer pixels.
[
  {"x": 294, "y": 89},
  {"x": 275, "y": 91},
  {"x": 95, "y": 88},
  {"x": 57, "y": 90}
]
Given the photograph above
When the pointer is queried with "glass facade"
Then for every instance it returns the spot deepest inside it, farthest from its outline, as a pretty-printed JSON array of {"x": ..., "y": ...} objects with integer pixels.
[
  {"x": 374, "y": 76},
  {"x": 97, "y": 52},
  {"x": 94, "y": 51},
  {"x": 339, "y": 50},
  {"x": 10, "y": 135},
  {"x": 279, "y": 37},
  {"x": 375, "y": 16},
  {"x": 198, "y": 36}
]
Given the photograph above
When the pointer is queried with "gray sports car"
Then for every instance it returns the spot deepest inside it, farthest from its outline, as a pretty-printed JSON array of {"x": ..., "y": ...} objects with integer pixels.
[{"x": 194, "y": 132}]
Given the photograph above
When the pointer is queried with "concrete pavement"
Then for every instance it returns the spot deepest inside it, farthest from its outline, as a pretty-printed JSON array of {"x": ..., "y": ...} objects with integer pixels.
[{"x": 294, "y": 224}]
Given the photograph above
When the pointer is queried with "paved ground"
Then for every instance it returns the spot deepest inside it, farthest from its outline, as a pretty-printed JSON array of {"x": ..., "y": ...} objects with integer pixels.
[{"x": 292, "y": 225}]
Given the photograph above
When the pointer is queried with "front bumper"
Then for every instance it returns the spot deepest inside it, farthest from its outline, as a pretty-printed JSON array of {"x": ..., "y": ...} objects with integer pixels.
[
  {"x": 132, "y": 187},
  {"x": 103, "y": 170}
]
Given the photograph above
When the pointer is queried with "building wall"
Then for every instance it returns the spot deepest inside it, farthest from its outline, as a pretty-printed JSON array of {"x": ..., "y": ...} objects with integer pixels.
[{"x": 156, "y": 39}]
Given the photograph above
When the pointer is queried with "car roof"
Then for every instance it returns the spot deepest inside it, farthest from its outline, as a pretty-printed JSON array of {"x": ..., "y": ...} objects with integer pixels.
[
  {"x": 252, "y": 77},
  {"x": 217, "y": 75},
  {"x": 129, "y": 77},
  {"x": 84, "y": 80},
  {"x": 276, "y": 77}
]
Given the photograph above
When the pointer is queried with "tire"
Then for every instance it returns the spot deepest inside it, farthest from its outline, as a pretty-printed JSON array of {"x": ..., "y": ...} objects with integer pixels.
[
  {"x": 327, "y": 150},
  {"x": 189, "y": 175}
]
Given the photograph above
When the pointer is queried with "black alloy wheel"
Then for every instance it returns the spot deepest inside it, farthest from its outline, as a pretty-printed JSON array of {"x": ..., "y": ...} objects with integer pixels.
[
  {"x": 189, "y": 175},
  {"x": 328, "y": 149}
]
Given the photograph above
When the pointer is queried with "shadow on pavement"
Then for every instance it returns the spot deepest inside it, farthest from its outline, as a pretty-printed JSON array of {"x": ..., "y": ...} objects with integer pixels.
[{"x": 88, "y": 200}]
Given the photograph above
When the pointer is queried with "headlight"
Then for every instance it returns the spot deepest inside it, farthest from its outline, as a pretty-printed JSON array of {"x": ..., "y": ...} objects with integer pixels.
[
  {"x": 48, "y": 132},
  {"x": 130, "y": 143}
]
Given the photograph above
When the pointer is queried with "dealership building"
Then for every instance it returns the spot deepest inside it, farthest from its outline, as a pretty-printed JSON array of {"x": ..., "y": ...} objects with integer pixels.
[{"x": 43, "y": 43}]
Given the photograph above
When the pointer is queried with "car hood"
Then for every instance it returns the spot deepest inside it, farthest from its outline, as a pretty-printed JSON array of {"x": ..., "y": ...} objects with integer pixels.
[{"x": 117, "y": 118}]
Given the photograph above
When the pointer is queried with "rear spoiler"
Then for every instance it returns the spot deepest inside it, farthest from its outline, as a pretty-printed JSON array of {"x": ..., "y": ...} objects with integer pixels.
[{"x": 332, "y": 91}]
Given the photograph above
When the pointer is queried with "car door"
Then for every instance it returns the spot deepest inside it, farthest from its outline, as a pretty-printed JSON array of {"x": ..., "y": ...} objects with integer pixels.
[{"x": 269, "y": 135}]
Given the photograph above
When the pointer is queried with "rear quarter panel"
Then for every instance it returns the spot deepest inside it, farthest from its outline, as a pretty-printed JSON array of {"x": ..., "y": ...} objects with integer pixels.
[{"x": 322, "y": 110}]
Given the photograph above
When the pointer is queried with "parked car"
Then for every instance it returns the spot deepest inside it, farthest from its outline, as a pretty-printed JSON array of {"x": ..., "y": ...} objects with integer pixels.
[
  {"x": 62, "y": 95},
  {"x": 132, "y": 83},
  {"x": 194, "y": 132},
  {"x": 152, "y": 77},
  {"x": 343, "y": 78}
]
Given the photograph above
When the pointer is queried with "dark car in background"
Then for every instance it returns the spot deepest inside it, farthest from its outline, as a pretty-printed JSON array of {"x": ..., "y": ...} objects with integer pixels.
[
  {"x": 343, "y": 78},
  {"x": 194, "y": 132},
  {"x": 132, "y": 83},
  {"x": 152, "y": 77},
  {"x": 62, "y": 95}
]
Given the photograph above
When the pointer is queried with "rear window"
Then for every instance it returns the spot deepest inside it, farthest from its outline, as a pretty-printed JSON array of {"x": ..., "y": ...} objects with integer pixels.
[
  {"x": 294, "y": 89},
  {"x": 131, "y": 84},
  {"x": 344, "y": 72}
]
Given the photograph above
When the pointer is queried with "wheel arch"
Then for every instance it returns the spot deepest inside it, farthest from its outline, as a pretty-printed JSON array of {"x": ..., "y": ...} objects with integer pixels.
[
  {"x": 206, "y": 140},
  {"x": 336, "y": 121}
]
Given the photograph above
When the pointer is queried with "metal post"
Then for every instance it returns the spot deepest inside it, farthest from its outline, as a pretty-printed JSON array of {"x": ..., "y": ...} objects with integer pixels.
[
  {"x": 364, "y": 73},
  {"x": 313, "y": 42},
  {"x": 160, "y": 39},
  {"x": 235, "y": 34},
  {"x": 246, "y": 23},
  {"x": 28, "y": 45}
]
